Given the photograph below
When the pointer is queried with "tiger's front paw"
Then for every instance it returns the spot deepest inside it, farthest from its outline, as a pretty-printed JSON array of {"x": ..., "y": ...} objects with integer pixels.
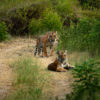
[
  {"x": 51, "y": 54},
  {"x": 45, "y": 55}
]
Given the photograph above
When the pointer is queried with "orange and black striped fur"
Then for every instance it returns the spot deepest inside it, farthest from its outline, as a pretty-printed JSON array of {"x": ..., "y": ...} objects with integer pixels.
[
  {"x": 45, "y": 41},
  {"x": 60, "y": 64}
]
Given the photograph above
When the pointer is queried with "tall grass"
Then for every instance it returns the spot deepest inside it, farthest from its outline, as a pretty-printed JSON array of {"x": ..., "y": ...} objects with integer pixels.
[
  {"x": 82, "y": 37},
  {"x": 30, "y": 81}
]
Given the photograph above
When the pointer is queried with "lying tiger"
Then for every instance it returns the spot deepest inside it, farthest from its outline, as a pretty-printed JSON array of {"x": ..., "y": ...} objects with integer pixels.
[
  {"x": 60, "y": 64},
  {"x": 45, "y": 41}
]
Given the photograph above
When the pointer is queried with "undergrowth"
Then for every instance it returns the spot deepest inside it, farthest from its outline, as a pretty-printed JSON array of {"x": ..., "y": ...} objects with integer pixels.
[
  {"x": 29, "y": 82},
  {"x": 87, "y": 81},
  {"x": 4, "y": 32}
]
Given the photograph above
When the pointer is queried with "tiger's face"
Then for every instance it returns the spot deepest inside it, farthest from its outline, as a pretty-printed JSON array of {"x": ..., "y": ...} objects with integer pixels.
[
  {"x": 62, "y": 55},
  {"x": 52, "y": 36}
]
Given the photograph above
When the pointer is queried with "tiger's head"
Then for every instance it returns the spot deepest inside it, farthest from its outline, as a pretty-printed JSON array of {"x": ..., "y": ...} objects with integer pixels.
[
  {"x": 62, "y": 55},
  {"x": 52, "y": 36}
]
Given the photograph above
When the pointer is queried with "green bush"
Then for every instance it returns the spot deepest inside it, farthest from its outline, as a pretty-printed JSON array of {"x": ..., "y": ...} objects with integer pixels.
[
  {"x": 80, "y": 32},
  {"x": 18, "y": 22},
  {"x": 64, "y": 7},
  {"x": 51, "y": 21},
  {"x": 3, "y": 31},
  {"x": 90, "y": 3},
  {"x": 94, "y": 37},
  {"x": 35, "y": 26},
  {"x": 87, "y": 81},
  {"x": 84, "y": 36},
  {"x": 19, "y": 18}
]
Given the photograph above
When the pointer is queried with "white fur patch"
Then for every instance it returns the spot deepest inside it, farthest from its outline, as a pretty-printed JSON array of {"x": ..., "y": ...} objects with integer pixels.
[{"x": 63, "y": 65}]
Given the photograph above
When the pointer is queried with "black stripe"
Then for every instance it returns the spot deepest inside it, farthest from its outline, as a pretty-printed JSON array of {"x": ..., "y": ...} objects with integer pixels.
[{"x": 35, "y": 51}]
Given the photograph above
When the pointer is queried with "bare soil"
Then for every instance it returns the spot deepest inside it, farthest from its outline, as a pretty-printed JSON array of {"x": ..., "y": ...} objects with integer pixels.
[{"x": 10, "y": 51}]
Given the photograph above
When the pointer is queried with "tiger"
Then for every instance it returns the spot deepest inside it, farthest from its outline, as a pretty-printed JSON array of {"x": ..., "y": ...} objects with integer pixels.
[
  {"x": 45, "y": 41},
  {"x": 60, "y": 64}
]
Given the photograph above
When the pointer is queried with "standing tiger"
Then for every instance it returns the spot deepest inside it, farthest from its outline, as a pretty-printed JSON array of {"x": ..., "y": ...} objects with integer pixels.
[{"x": 45, "y": 41}]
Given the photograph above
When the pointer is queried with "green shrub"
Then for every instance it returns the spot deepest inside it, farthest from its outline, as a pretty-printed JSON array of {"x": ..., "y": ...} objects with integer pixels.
[
  {"x": 3, "y": 31},
  {"x": 87, "y": 81},
  {"x": 35, "y": 26},
  {"x": 67, "y": 10},
  {"x": 84, "y": 36},
  {"x": 90, "y": 3},
  {"x": 18, "y": 22},
  {"x": 19, "y": 18},
  {"x": 94, "y": 37},
  {"x": 81, "y": 32},
  {"x": 51, "y": 21},
  {"x": 64, "y": 7}
]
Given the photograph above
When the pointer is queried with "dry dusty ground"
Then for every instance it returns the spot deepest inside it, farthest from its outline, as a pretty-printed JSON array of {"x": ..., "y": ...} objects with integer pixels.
[{"x": 10, "y": 51}]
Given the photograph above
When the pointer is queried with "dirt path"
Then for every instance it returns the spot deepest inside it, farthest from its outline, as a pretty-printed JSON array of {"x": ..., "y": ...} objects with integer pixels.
[
  {"x": 8, "y": 52},
  {"x": 60, "y": 84}
]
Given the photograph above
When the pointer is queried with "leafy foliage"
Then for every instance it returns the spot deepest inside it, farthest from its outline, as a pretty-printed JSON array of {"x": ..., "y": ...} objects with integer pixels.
[
  {"x": 87, "y": 81},
  {"x": 35, "y": 26},
  {"x": 90, "y": 3},
  {"x": 63, "y": 7},
  {"x": 18, "y": 24},
  {"x": 19, "y": 18},
  {"x": 3, "y": 31},
  {"x": 51, "y": 20},
  {"x": 83, "y": 37}
]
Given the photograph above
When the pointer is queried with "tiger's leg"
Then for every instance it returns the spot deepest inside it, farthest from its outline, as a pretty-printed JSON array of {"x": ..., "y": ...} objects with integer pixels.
[
  {"x": 60, "y": 69},
  {"x": 39, "y": 51},
  {"x": 51, "y": 50},
  {"x": 45, "y": 50},
  {"x": 40, "y": 46},
  {"x": 35, "y": 51},
  {"x": 37, "y": 47},
  {"x": 68, "y": 66},
  {"x": 42, "y": 51}
]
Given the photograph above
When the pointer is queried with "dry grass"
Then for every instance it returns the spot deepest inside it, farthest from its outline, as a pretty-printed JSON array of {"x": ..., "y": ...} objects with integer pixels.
[{"x": 30, "y": 82}]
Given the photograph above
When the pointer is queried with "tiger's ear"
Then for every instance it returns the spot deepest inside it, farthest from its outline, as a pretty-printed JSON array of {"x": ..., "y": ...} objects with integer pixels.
[{"x": 65, "y": 51}]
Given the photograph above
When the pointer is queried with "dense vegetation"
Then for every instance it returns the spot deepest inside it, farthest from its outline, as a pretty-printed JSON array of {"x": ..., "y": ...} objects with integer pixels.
[
  {"x": 77, "y": 21},
  {"x": 84, "y": 36},
  {"x": 90, "y": 4},
  {"x": 3, "y": 31},
  {"x": 50, "y": 21},
  {"x": 87, "y": 81}
]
